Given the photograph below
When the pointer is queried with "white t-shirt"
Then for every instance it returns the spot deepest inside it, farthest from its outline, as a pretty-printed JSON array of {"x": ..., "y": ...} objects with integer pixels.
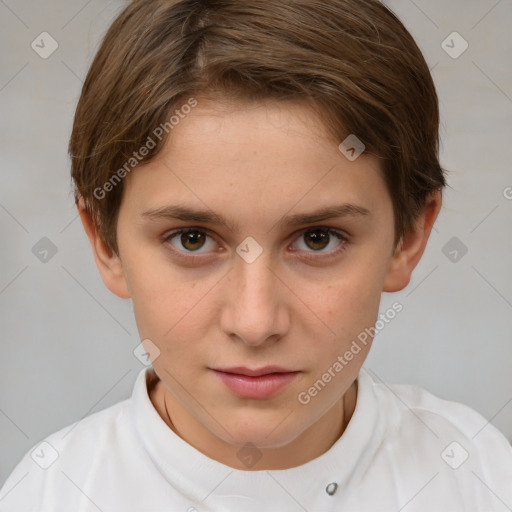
[{"x": 403, "y": 450}]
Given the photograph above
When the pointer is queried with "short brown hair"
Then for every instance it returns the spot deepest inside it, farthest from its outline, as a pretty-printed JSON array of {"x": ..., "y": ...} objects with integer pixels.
[{"x": 352, "y": 60}]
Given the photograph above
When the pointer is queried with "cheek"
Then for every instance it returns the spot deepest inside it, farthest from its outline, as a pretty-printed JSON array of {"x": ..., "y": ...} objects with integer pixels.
[
  {"x": 348, "y": 301},
  {"x": 348, "y": 307},
  {"x": 169, "y": 304},
  {"x": 159, "y": 300}
]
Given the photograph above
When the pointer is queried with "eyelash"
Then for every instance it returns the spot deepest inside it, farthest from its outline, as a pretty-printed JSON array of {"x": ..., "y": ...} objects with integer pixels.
[{"x": 344, "y": 239}]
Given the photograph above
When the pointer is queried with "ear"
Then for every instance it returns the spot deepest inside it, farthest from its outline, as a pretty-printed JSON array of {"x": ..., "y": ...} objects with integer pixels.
[
  {"x": 411, "y": 247},
  {"x": 108, "y": 262}
]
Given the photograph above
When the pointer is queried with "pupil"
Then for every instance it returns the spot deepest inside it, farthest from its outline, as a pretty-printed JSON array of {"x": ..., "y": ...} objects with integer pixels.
[
  {"x": 319, "y": 239},
  {"x": 192, "y": 238}
]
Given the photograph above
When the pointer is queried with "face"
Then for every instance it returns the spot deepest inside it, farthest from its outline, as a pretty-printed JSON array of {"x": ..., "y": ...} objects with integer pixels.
[{"x": 232, "y": 260}]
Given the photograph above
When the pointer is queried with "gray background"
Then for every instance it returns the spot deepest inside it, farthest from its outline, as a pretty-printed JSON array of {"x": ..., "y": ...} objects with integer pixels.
[{"x": 67, "y": 342}]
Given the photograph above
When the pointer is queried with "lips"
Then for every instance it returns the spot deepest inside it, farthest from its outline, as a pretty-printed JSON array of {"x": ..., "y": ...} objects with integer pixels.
[
  {"x": 257, "y": 383},
  {"x": 242, "y": 370}
]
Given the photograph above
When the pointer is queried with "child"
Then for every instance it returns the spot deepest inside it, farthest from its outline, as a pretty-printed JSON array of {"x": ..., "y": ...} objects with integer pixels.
[{"x": 253, "y": 175}]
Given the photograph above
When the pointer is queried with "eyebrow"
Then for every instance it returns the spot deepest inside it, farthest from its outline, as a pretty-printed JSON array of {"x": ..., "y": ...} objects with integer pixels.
[{"x": 184, "y": 213}]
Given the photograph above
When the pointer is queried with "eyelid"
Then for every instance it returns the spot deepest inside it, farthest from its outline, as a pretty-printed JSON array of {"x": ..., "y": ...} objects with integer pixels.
[{"x": 343, "y": 235}]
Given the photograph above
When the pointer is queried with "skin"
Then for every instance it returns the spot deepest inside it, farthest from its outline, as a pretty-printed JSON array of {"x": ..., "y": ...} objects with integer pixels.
[{"x": 254, "y": 164}]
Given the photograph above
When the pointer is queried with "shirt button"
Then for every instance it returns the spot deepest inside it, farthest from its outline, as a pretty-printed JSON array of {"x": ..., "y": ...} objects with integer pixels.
[{"x": 331, "y": 488}]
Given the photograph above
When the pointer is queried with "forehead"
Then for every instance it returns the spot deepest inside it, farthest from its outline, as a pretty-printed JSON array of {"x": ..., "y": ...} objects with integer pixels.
[{"x": 246, "y": 158}]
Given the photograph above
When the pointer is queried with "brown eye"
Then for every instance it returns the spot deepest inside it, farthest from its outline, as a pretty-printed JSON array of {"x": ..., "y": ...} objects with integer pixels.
[
  {"x": 193, "y": 240},
  {"x": 190, "y": 240},
  {"x": 317, "y": 240},
  {"x": 321, "y": 240}
]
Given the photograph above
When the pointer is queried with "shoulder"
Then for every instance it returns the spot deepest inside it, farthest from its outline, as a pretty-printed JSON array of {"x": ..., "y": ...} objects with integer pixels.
[
  {"x": 445, "y": 417},
  {"x": 50, "y": 467},
  {"x": 423, "y": 435}
]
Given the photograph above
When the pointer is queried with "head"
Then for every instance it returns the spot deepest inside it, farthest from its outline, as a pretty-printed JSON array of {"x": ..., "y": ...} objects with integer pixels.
[{"x": 227, "y": 119}]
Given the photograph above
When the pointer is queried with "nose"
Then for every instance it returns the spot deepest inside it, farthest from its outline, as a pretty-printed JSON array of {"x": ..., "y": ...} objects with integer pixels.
[{"x": 255, "y": 311}]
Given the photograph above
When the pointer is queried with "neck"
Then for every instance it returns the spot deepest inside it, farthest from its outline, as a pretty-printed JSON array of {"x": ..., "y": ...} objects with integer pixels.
[{"x": 313, "y": 442}]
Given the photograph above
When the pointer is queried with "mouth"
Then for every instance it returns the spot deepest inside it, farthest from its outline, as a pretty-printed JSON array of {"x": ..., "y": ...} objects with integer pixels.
[{"x": 257, "y": 383}]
